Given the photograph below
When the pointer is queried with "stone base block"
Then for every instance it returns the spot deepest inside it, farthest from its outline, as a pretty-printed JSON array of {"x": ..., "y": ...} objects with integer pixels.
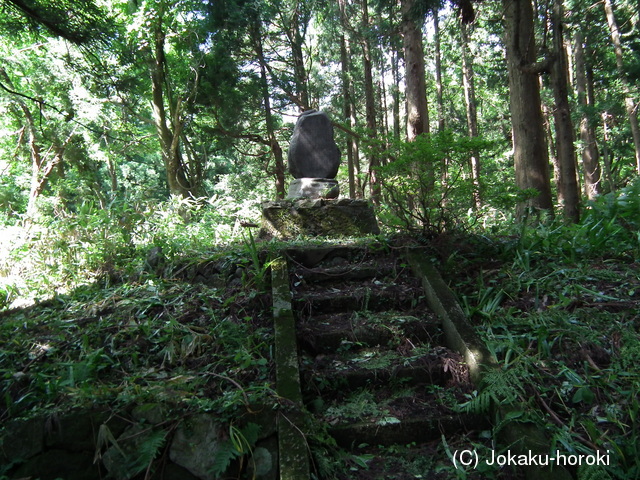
[
  {"x": 313, "y": 188},
  {"x": 342, "y": 217}
]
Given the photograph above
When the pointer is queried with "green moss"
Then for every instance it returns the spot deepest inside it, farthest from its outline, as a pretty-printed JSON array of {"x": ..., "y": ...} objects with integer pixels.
[{"x": 331, "y": 218}]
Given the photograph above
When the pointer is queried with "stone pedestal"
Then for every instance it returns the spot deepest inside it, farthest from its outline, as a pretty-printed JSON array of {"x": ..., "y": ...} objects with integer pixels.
[
  {"x": 313, "y": 188},
  {"x": 344, "y": 217}
]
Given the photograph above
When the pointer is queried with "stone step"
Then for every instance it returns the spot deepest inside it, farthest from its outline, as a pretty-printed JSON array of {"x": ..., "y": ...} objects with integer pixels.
[
  {"x": 324, "y": 256},
  {"x": 406, "y": 365},
  {"x": 328, "y": 333},
  {"x": 394, "y": 414},
  {"x": 372, "y": 295},
  {"x": 371, "y": 366},
  {"x": 403, "y": 431},
  {"x": 342, "y": 271}
]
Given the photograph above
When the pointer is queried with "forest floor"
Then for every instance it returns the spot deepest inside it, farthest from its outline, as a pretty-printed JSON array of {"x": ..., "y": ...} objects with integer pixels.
[
  {"x": 196, "y": 336},
  {"x": 565, "y": 330}
]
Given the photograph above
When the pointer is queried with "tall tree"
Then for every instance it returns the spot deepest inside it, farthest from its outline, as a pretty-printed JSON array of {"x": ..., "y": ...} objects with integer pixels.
[
  {"x": 529, "y": 149},
  {"x": 168, "y": 110},
  {"x": 295, "y": 16},
  {"x": 468, "y": 82},
  {"x": 590, "y": 154},
  {"x": 568, "y": 192},
  {"x": 370, "y": 101},
  {"x": 629, "y": 102},
  {"x": 274, "y": 145},
  {"x": 43, "y": 164},
  {"x": 348, "y": 107},
  {"x": 438, "y": 65},
  {"x": 416, "y": 89}
]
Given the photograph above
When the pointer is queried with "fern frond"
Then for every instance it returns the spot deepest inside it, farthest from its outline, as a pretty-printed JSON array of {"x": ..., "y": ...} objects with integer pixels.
[
  {"x": 148, "y": 449},
  {"x": 251, "y": 432},
  {"x": 240, "y": 443},
  {"x": 592, "y": 472},
  {"x": 478, "y": 403},
  {"x": 223, "y": 457}
]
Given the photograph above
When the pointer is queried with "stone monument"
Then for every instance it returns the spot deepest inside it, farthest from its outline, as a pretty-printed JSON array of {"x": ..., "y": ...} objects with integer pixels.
[
  {"x": 312, "y": 206},
  {"x": 313, "y": 157}
]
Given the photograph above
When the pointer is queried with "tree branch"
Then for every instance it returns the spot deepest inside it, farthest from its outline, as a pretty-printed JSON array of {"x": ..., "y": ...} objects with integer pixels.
[{"x": 41, "y": 103}]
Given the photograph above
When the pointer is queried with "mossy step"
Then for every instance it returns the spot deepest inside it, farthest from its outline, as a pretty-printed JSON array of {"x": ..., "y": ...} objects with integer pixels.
[
  {"x": 426, "y": 460},
  {"x": 394, "y": 414},
  {"x": 323, "y": 255},
  {"x": 402, "y": 431},
  {"x": 378, "y": 366},
  {"x": 364, "y": 297},
  {"x": 328, "y": 333},
  {"x": 342, "y": 271}
]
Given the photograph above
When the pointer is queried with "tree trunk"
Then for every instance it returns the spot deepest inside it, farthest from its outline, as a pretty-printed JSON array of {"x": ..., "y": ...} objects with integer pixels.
[
  {"x": 568, "y": 192},
  {"x": 111, "y": 168},
  {"x": 370, "y": 107},
  {"x": 629, "y": 102},
  {"x": 590, "y": 154},
  {"x": 395, "y": 93},
  {"x": 169, "y": 138},
  {"x": 416, "y": 90},
  {"x": 346, "y": 111},
  {"x": 276, "y": 150},
  {"x": 471, "y": 108},
  {"x": 41, "y": 171},
  {"x": 416, "y": 98},
  {"x": 36, "y": 163},
  {"x": 530, "y": 152},
  {"x": 299, "y": 18},
  {"x": 606, "y": 159},
  {"x": 438, "y": 59},
  {"x": 348, "y": 107}
]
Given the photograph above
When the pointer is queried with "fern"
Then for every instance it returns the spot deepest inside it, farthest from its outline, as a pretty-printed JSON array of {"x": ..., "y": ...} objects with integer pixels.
[
  {"x": 477, "y": 403},
  {"x": 250, "y": 433},
  {"x": 225, "y": 454},
  {"x": 592, "y": 472},
  {"x": 148, "y": 449},
  {"x": 503, "y": 387},
  {"x": 240, "y": 443}
]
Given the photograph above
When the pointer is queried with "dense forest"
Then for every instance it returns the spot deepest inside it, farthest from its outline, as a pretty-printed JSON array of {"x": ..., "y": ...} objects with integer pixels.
[
  {"x": 493, "y": 105},
  {"x": 139, "y": 139}
]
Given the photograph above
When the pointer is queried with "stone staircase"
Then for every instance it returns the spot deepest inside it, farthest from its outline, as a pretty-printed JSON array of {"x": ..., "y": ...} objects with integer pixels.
[{"x": 375, "y": 369}]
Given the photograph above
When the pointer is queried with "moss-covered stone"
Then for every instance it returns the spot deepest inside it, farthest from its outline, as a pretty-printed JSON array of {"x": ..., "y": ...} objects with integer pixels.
[
  {"x": 522, "y": 438},
  {"x": 294, "y": 461},
  {"x": 459, "y": 334},
  {"x": 318, "y": 217}
]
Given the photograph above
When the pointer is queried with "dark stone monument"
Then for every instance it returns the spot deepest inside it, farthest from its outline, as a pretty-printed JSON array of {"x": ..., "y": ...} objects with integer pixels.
[
  {"x": 313, "y": 152},
  {"x": 312, "y": 206},
  {"x": 313, "y": 158}
]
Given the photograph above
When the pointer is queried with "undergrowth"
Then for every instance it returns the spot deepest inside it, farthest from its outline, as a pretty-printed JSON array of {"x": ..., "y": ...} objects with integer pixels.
[
  {"x": 559, "y": 308},
  {"x": 556, "y": 304},
  {"x": 123, "y": 309}
]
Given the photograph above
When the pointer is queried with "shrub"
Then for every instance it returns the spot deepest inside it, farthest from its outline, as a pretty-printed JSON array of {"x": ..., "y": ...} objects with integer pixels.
[{"x": 428, "y": 186}]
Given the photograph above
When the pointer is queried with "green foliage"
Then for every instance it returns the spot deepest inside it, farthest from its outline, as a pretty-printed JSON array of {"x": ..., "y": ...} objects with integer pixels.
[
  {"x": 88, "y": 24},
  {"x": 110, "y": 328},
  {"x": 552, "y": 303},
  {"x": 104, "y": 342},
  {"x": 609, "y": 225},
  {"x": 61, "y": 252},
  {"x": 134, "y": 453},
  {"x": 427, "y": 184},
  {"x": 259, "y": 267},
  {"x": 240, "y": 444}
]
